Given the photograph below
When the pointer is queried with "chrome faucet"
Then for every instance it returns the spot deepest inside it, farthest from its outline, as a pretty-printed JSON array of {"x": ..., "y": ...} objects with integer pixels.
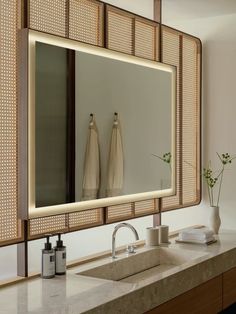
[{"x": 123, "y": 224}]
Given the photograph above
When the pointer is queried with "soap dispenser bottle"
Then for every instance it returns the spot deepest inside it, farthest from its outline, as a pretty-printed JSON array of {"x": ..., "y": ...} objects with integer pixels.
[
  {"x": 60, "y": 254},
  {"x": 48, "y": 260}
]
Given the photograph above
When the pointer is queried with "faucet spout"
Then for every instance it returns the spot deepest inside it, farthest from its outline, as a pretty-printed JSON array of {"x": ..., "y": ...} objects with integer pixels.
[{"x": 121, "y": 225}]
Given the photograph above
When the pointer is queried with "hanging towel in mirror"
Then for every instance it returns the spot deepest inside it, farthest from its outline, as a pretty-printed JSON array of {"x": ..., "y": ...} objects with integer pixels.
[
  {"x": 115, "y": 173},
  {"x": 91, "y": 177}
]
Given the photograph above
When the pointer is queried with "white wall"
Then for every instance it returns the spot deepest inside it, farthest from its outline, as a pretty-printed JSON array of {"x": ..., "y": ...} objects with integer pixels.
[{"x": 219, "y": 106}]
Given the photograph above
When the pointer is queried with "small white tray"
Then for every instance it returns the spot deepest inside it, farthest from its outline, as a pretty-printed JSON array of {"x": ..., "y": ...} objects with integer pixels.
[{"x": 193, "y": 242}]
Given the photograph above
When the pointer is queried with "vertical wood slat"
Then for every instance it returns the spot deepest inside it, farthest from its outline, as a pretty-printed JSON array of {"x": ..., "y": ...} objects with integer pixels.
[
  {"x": 22, "y": 253},
  {"x": 22, "y": 117},
  {"x": 157, "y": 9}
]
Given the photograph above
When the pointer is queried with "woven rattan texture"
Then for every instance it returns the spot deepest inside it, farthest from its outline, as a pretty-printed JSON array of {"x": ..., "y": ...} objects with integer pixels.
[
  {"x": 9, "y": 21},
  {"x": 84, "y": 219},
  {"x": 83, "y": 20},
  {"x": 146, "y": 207},
  {"x": 120, "y": 212},
  {"x": 120, "y": 32},
  {"x": 131, "y": 210},
  {"x": 48, "y": 16},
  {"x": 183, "y": 51},
  {"x": 132, "y": 35},
  {"x": 191, "y": 122},
  {"x": 65, "y": 223},
  {"x": 171, "y": 55},
  {"x": 48, "y": 225},
  {"x": 148, "y": 48},
  {"x": 80, "y": 20},
  {"x": 86, "y": 21}
]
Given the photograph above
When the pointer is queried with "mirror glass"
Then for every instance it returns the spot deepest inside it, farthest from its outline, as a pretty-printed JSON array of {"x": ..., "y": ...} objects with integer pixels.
[{"x": 101, "y": 127}]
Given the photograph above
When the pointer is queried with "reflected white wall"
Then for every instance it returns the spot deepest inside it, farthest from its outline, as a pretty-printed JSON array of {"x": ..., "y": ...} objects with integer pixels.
[{"x": 142, "y": 98}]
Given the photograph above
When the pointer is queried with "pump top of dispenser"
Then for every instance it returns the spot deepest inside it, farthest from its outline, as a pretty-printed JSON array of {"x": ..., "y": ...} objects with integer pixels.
[
  {"x": 59, "y": 241},
  {"x": 48, "y": 245}
]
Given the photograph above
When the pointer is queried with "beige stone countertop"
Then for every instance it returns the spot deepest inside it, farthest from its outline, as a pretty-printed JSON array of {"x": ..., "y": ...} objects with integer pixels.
[{"x": 73, "y": 293}]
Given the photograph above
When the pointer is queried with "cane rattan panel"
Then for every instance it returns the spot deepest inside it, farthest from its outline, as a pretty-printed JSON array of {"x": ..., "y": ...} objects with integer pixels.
[
  {"x": 45, "y": 225},
  {"x": 191, "y": 121},
  {"x": 10, "y": 228},
  {"x": 147, "y": 40},
  {"x": 183, "y": 51},
  {"x": 119, "y": 212},
  {"x": 86, "y": 21},
  {"x": 146, "y": 207},
  {"x": 131, "y": 34},
  {"x": 48, "y": 16},
  {"x": 65, "y": 223},
  {"x": 120, "y": 30},
  {"x": 171, "y": 55},
  {"x": 86, "y": 219},
  {"x": 131, "y": 210}
]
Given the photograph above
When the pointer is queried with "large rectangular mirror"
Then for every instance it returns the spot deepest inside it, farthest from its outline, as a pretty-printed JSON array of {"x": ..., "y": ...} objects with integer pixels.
[{"x": 101, "y": 127}]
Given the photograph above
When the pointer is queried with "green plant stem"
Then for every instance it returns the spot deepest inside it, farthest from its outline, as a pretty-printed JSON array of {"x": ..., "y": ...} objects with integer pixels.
[
  {"x": 221, "y": 179},
  {"x": 209, "y": 194},
  {"x": 212, "y": 197},
  {"x": 159, "y": 157}
]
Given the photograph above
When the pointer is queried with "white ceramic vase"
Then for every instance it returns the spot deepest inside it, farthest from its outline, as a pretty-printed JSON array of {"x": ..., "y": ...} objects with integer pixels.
[{"x": 215, "y": 221}]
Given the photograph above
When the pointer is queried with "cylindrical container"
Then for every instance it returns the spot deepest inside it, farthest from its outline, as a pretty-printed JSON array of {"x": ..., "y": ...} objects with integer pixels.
[
  {"x": 164, "y": 234},
  {"x": 60, "y": 255},
  {"x": 215, "y": 220},
  {"x": 48, "y": 261},
  {"x": 152, "y": 236}
]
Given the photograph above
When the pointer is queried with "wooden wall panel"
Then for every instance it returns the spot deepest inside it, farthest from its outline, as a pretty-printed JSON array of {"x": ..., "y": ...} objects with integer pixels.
[
  {"x": 229, "y": 288},
  {"x": 84, "y": 20}
]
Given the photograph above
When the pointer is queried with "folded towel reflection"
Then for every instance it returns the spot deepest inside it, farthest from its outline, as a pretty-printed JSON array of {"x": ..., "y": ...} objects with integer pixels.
[{"x": 197, "y": 235}]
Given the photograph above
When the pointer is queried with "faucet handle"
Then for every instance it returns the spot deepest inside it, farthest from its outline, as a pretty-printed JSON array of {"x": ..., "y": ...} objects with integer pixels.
[{"x": 131, "y": 248}]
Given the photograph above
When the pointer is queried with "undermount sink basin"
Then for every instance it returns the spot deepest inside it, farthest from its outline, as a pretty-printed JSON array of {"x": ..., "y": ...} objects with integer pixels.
[{"x": 143, "y": 264}]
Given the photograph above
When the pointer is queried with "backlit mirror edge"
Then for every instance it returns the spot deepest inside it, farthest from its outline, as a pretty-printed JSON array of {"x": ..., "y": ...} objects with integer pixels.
[{"x": 33, "y": 212}]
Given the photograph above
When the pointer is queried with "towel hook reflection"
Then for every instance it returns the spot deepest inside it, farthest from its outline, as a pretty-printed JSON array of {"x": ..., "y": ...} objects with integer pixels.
[{"x": 91, "y": 118}]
